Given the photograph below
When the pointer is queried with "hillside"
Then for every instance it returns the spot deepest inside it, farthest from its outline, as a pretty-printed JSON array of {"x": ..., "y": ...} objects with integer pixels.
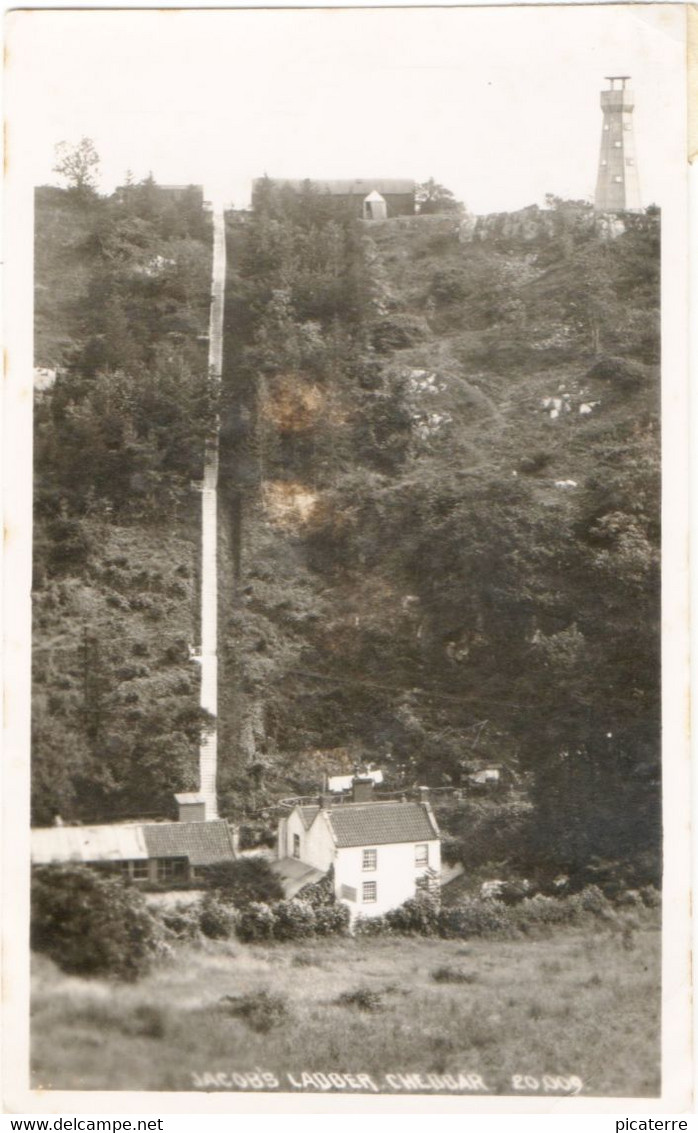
[
  {"x": 422, "y": 563},
  {"x": 121, "y": 294}
]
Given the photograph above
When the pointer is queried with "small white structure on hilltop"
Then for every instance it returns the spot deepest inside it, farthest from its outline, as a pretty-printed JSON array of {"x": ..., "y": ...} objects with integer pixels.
[
  {"x": 375, "y": 207},
  {"x": 382, "y": 852}
]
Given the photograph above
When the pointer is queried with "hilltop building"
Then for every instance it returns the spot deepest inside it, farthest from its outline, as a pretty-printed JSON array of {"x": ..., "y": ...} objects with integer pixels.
[
  {"x": 617, "y": 184},
  {"x": 366, "y": 199},
  {"x": 382, "y": 852}
]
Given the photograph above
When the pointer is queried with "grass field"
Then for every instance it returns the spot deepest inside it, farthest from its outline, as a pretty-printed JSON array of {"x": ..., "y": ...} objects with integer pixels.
[{"x": 572, "y": 1003}]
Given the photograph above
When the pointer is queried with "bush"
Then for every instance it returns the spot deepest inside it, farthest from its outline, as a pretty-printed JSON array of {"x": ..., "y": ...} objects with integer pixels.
[
  {"x": 623, "y": 372},
  {"x": 417, "y": 915},
  {"x": 320, "y": 893},
  {"x": 371, "y": 926},
  {"x": 261, "y": 1010},
  {"x": 363, "y": 998},
  {"x": 398, "y": 332},
  {"x": 244, "y": 881},
  {"x": 475, "y": 917},
  {"x": 181, "y": 921},
  {"x": 293, "y": 920},
  {"x": 651, "y": 897},
  {"x": 256, "y": 922},
  {"x": 216, "y": 919},
  {"x": 449, "y": 975},
  {"x": 92, "y": 924},
  {"x": 331, "y": 919}
]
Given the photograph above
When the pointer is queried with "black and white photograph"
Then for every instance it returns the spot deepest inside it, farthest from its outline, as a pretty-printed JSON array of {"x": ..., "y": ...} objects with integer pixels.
[{"x": 346, "y": 432}]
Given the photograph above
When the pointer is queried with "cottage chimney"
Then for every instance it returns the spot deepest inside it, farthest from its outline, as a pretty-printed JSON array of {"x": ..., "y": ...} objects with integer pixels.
[
  {"x": 362, "y": 790},
  {"x": 423, "y": 794},
  {"x": 325, "y": 800},
  {"x": 191, "y": 808}
]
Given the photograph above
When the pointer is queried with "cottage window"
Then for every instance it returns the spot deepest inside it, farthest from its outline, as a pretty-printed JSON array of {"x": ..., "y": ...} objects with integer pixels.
[
  {"x": 421, "y": 854},
  {"x": 348, "y": 893},
  {"x": 125, "y": 868},
  {"x": 370, "y": 859},
  {"x": 296, "y": 845},
  {"x": 370, "y": 892},
  {"x": 172, "y": 869},
  {"x": 140, "y": 871}
]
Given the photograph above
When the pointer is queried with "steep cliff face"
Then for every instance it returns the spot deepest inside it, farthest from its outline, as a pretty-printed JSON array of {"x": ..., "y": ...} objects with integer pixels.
[{"x": 443, "y": 497}]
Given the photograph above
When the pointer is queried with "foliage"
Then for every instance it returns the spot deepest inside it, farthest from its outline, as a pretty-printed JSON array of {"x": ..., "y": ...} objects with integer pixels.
[
  {"x": 434, "y": 198},
  {"x": 216, "y": 918},
  {"x": 256, "y": 922},
  {"x": 261, "y": 1010},
  {"x": 416, "y": 915},
  {"x": 294, "y": 919},
  {"x": 90, "y": 923},
  {"x": 365, "y": 998},
  {"x": 78, "y": 165},
  {"x": 450, "y": 974},
  {"x": 244, "y": 881}
]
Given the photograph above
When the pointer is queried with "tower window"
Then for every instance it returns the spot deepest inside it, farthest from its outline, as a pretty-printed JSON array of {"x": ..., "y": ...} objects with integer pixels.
[
  {"x": 629, "y": 161},
  {"x": 603, "y": 161},
  {"x": 606, "y": 126},
  {"x": 618, "y": 178},
  {"x": 617, "y": 144},
  {"x": 296, "y": 846}
]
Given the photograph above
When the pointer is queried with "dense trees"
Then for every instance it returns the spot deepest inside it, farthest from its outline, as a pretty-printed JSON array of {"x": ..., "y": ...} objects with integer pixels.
[{"x": 122, "y": 294}]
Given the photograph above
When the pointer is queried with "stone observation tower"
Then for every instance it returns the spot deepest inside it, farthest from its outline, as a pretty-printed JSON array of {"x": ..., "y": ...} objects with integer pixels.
[{"x": 617, "y": 185}]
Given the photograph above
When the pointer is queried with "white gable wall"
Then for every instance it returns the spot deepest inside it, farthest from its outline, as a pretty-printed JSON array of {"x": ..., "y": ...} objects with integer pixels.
[
  {"x": 316, "y": 844},
  {"x": 395, "y": 875}
]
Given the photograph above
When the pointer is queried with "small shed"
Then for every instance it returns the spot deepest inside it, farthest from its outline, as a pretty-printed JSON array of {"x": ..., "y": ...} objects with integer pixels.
[{"x": 375, "y": 207}]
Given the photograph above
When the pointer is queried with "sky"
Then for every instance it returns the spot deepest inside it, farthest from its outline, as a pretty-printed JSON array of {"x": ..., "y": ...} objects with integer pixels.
[{"x": 499, "y": 104}]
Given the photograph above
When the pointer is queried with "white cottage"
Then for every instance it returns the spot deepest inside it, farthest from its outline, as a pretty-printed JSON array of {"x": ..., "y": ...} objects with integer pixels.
[{"x": 382, "y": 852}]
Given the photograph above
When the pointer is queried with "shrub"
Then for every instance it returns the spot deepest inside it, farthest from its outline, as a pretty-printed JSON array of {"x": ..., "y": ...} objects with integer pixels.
[
  {"x": 261, "y": 1010},
  {"x": 293, "y": 920},
  {"x": 417, "y": 915},
  {"x": 363, "y": 998},
  {"x": 181, "y": 921},
  {"x": 450, "y": 975},
  {"x": 92, "y": 924},
  {"x": 371, "y": 926},
  {"x": 256, "y": 922},
  {"x": 216, "y": 919},
  {"x": 475, "y": 917},
  {"x": 244, "y": 881},
  {"x": 331, "y": 919},
  {"x": 399, "y": 332},
  {"x": 320, "y": 893},
  {"x": 625, "y": 373},
  {"x": 651, "y": 897}
]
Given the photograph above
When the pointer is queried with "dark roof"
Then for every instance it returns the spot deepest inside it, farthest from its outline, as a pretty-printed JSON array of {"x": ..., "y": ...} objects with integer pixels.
[
  {"x": 202, "y": 842},
  {"x": 366, "y": 824}
]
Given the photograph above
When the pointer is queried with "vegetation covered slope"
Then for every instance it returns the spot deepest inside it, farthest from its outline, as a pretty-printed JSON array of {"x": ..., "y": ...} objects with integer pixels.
[
  {"x": 122, "y": 287},
  {"x": 422, "y": 563},
  {"x": 435, "y": 566}
]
